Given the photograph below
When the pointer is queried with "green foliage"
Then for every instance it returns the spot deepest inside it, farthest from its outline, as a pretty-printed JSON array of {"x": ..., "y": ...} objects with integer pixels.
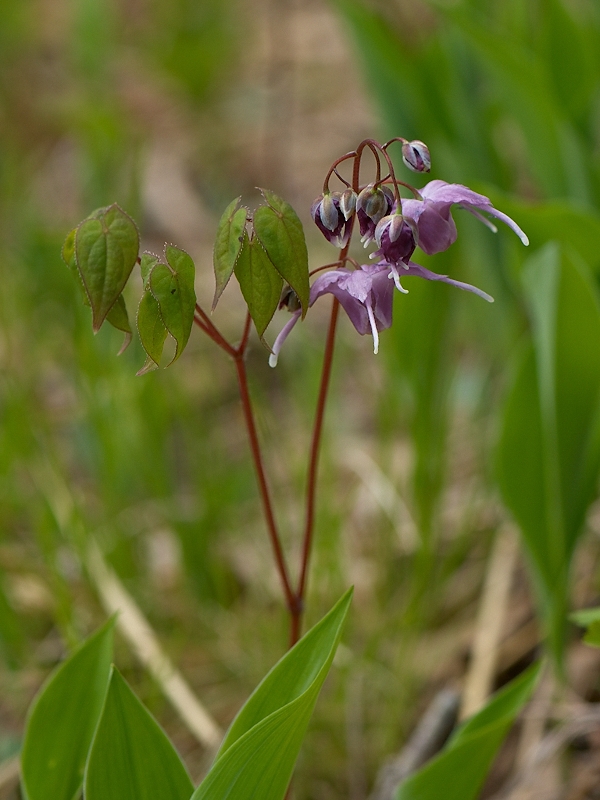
[
  {"x": 458, "y": 772},
  {"x": 259, "y": 281},
  {"x": 131, "y": 756},
  {"x": 106, "y": 249},
  {"x": 260, "y": 749},
  {"x": 588, "y": 618},
  {"x": 549, "y": 450},
  {"x": 228, "y": 243},
  {"x": 62, "y": 721},
  {"x": 280, "y": 232}
]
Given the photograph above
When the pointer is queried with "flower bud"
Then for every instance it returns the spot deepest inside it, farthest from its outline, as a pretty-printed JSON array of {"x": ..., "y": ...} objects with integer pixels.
[
  {"x": 372, "y": 204},
  {"x": 395, "y": 238},
  {"x": 416, "y": 156},
  {"x": 329, "y": 213},
  {"x": 348, "y": 203},
  {"x": 330, "y": 220}
]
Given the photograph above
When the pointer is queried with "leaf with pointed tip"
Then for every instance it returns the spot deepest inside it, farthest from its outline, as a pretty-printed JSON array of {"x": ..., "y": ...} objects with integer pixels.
[
  {"x": 458, "y": 772},
  {"x": 172, "y": 286},
  {"x": 117, "y": 316},
  {"x": 228, "y": 244},
  {"x": 260, "y": 749},
  {"x": 151, "y": 330},
  {"x": 131, "y": 756},
  {"x": 280, "y": 232},
  {"x": 106, "y": 248},
  {"x": 62, "y": 720},
  {"x": 259, "y": 281}
]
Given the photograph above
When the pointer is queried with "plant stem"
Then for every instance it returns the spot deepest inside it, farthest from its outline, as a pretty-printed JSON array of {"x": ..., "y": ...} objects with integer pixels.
[
  {"x": 313, "y": 463},
  {"x": 290, "y": 597}
]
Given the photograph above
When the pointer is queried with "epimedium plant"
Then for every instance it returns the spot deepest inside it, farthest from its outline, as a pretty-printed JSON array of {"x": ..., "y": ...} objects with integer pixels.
[
  {"x": 266, "y": 252},
  {"x": 86, "y": 727}
]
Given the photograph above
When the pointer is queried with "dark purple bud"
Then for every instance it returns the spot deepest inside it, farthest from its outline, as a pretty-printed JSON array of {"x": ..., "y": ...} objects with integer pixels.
[
  {"x": 416, "y": 156},
  {"x": 372, "y": 204},
  {"x": 330, "y": 220},
  {"x": 395, "y": 239}
]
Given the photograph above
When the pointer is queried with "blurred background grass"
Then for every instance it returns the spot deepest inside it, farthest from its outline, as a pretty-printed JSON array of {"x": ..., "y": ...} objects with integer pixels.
[{"x": 172, "y": 109}]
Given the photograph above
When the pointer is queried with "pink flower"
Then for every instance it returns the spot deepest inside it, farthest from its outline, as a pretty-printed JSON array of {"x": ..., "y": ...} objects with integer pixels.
[{"x": 435, "y": 226}]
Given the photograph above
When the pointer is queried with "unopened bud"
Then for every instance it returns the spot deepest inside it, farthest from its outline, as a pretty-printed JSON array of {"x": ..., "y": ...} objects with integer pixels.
[
  {"x": 416, "y": 156},
  {"x": 329, "y": 213},
  {"x": 348, "y": 203},
  {"x": 375, "y": 202}
]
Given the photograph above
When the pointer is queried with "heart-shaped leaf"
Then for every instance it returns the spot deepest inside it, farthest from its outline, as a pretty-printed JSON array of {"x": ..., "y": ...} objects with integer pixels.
[
  {"x": 106, "y": 248},
  {"x": 62, "y": 721},
  {"x": 260, "y": 749},
  {"x": 228, "y": 243},
  {"x": 172, "y": 286},
  {"x": 117, "y": 316},
  {"x": 279, "y": 230},
  {"x": 259, "y": 281},
  {"x": 131, "y": 756}
]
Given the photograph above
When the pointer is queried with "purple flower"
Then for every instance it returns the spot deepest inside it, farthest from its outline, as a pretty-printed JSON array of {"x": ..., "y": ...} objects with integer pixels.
[
  {"x": 435, "y": 226},
  {"x": 395, "y": 238},
  {"x": 416, "y": 156},
  {"x": 332, "y": 218},
  {"x": 365, "y": 294}
]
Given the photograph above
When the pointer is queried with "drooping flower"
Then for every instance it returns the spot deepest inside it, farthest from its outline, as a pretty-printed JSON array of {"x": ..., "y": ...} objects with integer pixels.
[
  {"x": 373, "y": 204},
  {"x": 395, "y": 237},
  {"x": 435, "y": 226},
  {"x": 332, "y": 218},
  {"x": 366, "y": 295}
]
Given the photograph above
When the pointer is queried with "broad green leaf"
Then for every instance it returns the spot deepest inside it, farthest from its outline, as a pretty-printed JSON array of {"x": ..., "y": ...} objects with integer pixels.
[
  {"x": 131, "y": 756},
  {"x": 228, "y": 243},
  {"x": 117, "y": 316},
  {"x": 549, "y": 449},
  {"x": 258, "y": 753},
  {"x": 458, "y": 772},
  {"x": 588, "y": 618},
  {"x": 151, "y": 330},
  {"x": 280, "y": 232},
  {"x": 62, "y": 721},
  {"x": 106, "y": 249},
  {"x": 172, "y": 286},
  {"x": 259, "y": 281}
]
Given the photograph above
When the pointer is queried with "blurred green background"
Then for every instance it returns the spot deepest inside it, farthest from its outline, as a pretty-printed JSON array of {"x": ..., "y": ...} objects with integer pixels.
[{"x": 172, "y": 109}]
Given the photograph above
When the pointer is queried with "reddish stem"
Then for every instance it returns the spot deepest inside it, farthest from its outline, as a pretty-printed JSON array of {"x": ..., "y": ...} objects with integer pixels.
[
  {"x": 313, "y": 463},
  {"x": 290, "y": 597}
]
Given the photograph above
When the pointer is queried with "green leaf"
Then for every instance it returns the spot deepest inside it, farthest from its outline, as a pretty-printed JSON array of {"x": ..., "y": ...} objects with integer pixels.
[
  {"x": 172, "y": 286},
  {"x": 147, "y": 263},
  {"x": 588, "y": 618},
  {"x": 117, "y": 316},
  {"x": 131, "y": 756},
  {"x": 458, "y": 772},
  {"x": 151, "y": 330},
  {"x": 106, "y": 249},
  {"x": 279, "y": 230},
  {"x": 549, "y": 449},
  {"x": 228, "y": 243},
  {"x": 260, "y": 749},
  {"x": 62, "y": 720},
  {"x": 259, "y": 281}
]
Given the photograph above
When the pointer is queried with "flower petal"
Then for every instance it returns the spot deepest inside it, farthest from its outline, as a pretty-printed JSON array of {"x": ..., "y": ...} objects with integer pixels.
[{"x": 423, "y": 272}]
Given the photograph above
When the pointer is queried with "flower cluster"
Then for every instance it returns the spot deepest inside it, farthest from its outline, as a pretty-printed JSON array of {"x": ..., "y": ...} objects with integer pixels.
[{"x": 398, "y": 226}]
